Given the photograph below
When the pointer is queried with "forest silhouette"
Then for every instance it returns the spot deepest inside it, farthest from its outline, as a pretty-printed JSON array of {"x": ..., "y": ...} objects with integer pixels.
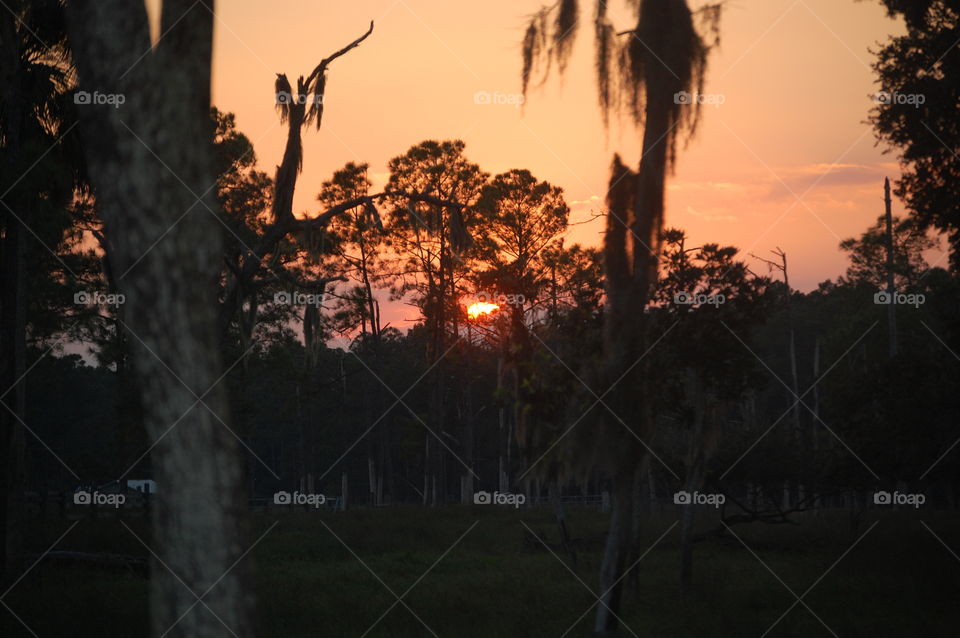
[{"x": 209, "y": 427}]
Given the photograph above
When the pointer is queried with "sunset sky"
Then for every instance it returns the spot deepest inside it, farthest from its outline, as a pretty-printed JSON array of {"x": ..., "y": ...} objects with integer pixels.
[{"x": 787, "y": 160}]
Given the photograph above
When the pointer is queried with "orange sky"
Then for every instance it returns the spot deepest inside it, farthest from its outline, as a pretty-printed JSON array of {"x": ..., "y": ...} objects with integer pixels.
[{"x": 794, "y": 75}]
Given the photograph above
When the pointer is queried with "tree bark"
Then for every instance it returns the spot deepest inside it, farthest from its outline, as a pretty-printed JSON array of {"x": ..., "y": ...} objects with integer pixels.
[
  {"x": 560, "y": 514},
  {"x": 614, "y": 557},
  {"x": 696, "y": 471},
  {"x": 150, "y": 164},
  {"x": 628, "y": 290},
  {"x": 12, "y": 312}
]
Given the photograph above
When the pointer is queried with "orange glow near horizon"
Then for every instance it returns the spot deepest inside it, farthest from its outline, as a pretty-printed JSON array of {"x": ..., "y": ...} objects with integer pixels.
[
  {"x": 785, "y": 158},
  {"x": 482, "y": 308}
]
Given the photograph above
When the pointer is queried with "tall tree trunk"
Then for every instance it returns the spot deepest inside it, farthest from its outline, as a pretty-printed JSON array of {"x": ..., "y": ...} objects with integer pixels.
[
  {"x": 614, "y": 556},
  {"x": 640, "y": 509},
  {"x": 12, "y": 368},
  {"x": 150, "y": 161},
  {"x": 696, "y": 462},
  {"x": 426, "y": 468},
  {"x": 469, "y": 443},
  {"x": 637, "y": 197},
  {"x": 554, "y": 492},
  {"x": 12, "y": 310},
  {"x": 815, "y": 428},
  {"x": 891, "y": 290},
  {"x": 794, "y": 376}
]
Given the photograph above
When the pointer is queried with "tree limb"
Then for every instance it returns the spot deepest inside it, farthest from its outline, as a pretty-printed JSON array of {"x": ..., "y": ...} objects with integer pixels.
[{"x": 327, "y": 60}]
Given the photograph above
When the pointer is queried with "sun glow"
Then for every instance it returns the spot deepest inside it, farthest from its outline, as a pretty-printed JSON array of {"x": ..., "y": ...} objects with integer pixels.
[{"x": 482, "y": 308}]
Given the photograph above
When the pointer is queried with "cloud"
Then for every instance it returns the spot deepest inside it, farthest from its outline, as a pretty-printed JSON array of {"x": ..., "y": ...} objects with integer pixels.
[
  {"x": 712, "y": 215},
  {"x": 719, "y": 187},
  {"x": 814, "y": 178},
  {"x": 592, "y": 200}
]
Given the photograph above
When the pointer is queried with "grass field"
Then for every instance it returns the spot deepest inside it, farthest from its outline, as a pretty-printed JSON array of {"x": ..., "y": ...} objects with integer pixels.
[{"x": 480, "y": 572}]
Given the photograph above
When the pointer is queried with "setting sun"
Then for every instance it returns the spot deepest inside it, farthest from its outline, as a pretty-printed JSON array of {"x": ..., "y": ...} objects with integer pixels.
[
  {"x": 482, "y": 308},
  {"x": 434, "y": 262}
]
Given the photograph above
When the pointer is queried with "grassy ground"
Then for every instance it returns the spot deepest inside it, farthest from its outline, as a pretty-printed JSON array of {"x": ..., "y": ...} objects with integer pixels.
[{"x": 478, "y": 571}]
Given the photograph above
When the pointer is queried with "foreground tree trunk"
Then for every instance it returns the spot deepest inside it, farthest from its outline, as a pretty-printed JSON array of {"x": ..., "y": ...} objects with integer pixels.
[
  {"x": 11, "y": 370},
  {"x": 634, "y": 222},
  {"x": 560, "y": 513},
  {"x": 612, "y": 569},
  {"x": 636, "y": 204},
  {"x": 12, "y": 314},
  {"x": 653, "y": 75},
  {"x": 150, "y": 164}
]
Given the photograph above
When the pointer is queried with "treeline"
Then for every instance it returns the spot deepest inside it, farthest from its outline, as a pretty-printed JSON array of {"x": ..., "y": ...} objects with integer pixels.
[
  {"x": 780, "y": 399},
  {"x": 775, "y": 396}
]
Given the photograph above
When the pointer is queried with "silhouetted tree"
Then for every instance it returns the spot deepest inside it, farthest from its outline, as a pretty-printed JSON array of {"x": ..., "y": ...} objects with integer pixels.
[
  {"x": 868, "y": 257},
  {"x": 39, "y": 171},
  {"x": 152, "y": 168},
  {"x": 712, "y": 303},
  {"x": 521, "y": 218},
  {"x": 651, "y": 74},
  {"x": 296, "y": 108},
  {"x": 431, "y": 242},
  {"x": 358, "y": 237},
  {"x": 919, "y": 77}
]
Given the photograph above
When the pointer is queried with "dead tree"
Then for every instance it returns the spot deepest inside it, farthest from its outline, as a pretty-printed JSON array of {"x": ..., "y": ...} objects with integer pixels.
[
  {"x": 298, "y": 107},
  {"x": 798, "y": 437}
]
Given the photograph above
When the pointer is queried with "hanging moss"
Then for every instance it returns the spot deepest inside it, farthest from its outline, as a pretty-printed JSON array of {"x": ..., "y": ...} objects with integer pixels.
[
  {"x": 668, "y": 45},
  {"x": 283, "y": 91},
  {"x": 565, "y": 31}
]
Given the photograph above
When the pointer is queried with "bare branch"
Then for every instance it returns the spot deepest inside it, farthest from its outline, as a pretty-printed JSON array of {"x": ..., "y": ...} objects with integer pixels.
[
  {"x": 324, "y": 218},
  {"x": 327, "y": 60},
  {"x": 284, "y": 275}
]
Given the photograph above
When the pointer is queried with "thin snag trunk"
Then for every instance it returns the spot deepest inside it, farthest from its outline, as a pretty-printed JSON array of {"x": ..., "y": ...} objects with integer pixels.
[
  {"x": 694, "y": 481},
  {"x": 561, "y": 516},
  {"x": 615, "y": 557}
]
